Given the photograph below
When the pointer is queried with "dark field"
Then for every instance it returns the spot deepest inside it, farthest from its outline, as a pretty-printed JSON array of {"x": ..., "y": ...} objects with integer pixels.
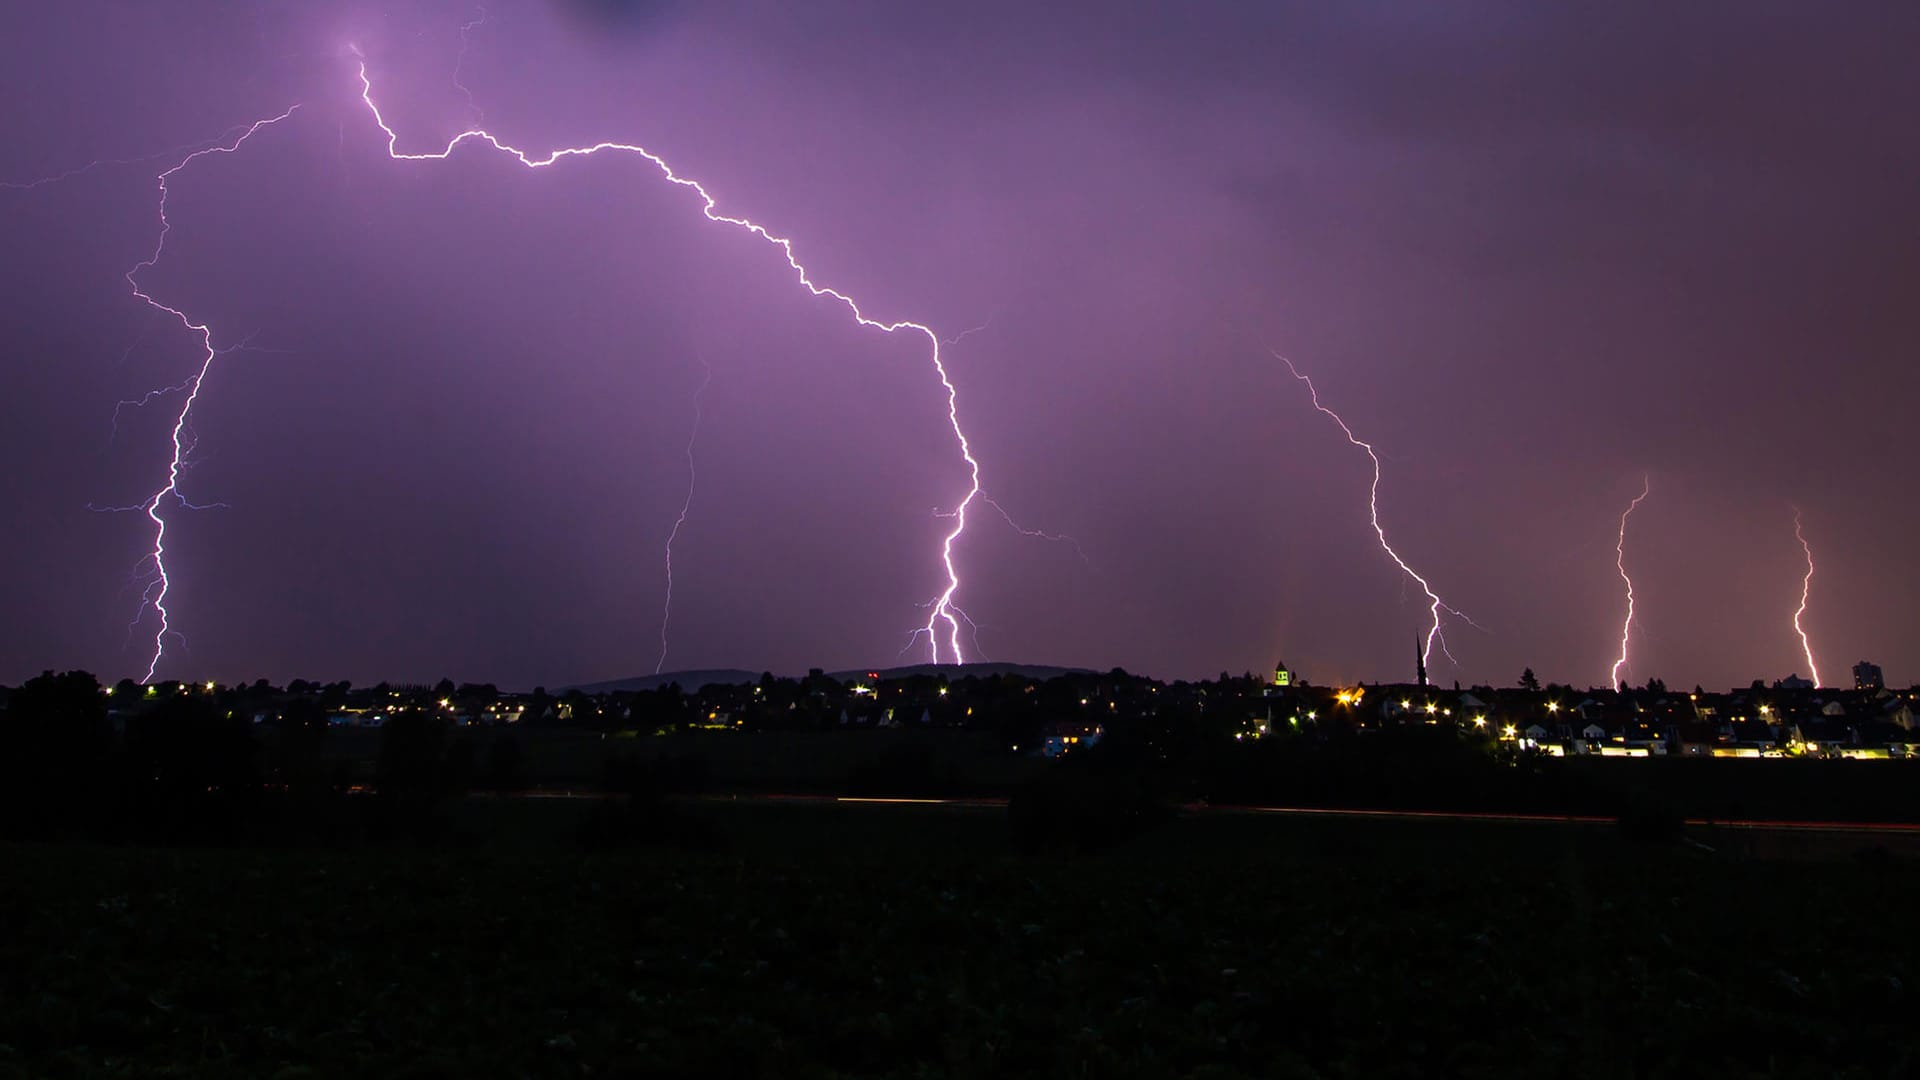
[{"x": 799, "y": 941}]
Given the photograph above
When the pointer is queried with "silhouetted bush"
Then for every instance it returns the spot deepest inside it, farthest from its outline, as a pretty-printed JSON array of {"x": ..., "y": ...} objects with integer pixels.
[
  {"x": 638, "y": 812},
  {"x": 1082, "y": 809},
  {"x": 421, "y": 767},
  {"x": 505, "y": 766},
  {"x": 190, "y": 772}
]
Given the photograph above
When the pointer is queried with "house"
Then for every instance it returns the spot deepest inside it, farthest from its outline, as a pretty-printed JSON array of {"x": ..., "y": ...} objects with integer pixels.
[
  {"x": 1537, "y": 736},
  {"x": 1063, "y": 737},
  {"x": 1748, "y": 733},
  {"x": 1897, "y": 711},
  {"x": 1694, "y": 739},
  {"x": 1820, "y": 738}
]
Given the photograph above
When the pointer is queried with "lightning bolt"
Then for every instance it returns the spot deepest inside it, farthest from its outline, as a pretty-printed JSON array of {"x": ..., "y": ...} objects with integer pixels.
[
  {"x": 666, "y": 607},
  {"x": 944, "y": 615},
  {"x": 159, "y": 392},
  {"x": 1037, "y": 534},
  {"x": 161, "y": 585},
  {"x": 466, "y": 29},
  {"x": 144, "y": 400},
  {"x": 967, "y": 333},
  {"x": 1806, "y": 590},
  {"x": 1436, "y": 605},
  {"x": 1620, "y": 563},
  {"x": 103, "y": 163}
]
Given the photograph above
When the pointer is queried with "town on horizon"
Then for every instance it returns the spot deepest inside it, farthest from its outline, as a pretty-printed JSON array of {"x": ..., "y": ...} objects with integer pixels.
[{"x": 1059, "y": 710}]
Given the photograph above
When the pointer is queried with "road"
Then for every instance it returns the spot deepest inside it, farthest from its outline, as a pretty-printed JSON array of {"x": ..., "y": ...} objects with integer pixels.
[{"x": 988, "y": 803}]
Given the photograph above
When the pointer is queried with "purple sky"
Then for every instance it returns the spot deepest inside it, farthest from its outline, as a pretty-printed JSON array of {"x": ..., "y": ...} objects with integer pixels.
[{"x": 1530, "y": 251}]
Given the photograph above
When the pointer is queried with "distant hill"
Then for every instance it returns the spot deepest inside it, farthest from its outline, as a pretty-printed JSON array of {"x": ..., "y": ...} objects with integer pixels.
[
  {"x": 963, "y": 671},
  {"x": 694, "y": 680},
  {"x": 688, "y": 680}
]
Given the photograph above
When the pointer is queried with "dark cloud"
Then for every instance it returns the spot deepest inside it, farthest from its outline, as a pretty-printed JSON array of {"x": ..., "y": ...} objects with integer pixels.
[{"x": 614, "y": 17}]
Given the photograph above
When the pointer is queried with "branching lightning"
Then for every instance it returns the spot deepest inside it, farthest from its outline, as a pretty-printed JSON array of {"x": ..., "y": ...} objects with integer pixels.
[
  {"x": 1806, "y": 591},
  {"x": 967, "y": 333},
  {"x": 944, "y": 615},
  {"x": 1620, "y": 564},
  {"x": 142, "y": 401},
  {"x": 466, "y": 30},
  {"x": 159, "y": 392},
  {"x": 686, "y": 507},
  {"x": 103, "y": 163},
  {"x": 1037, "y": 534},
  {"x": 160, "y": 585},
  {"x": 1436, "y": 605}
]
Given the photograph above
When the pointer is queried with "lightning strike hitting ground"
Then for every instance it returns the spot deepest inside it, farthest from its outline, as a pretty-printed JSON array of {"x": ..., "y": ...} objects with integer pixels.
[
  {"x": 160, "y": 585},
  {"x": 1434, "y": 633},
  {"x": 1620, "y": 563},
  {"x": 686, "y": 507},
  {"x": 944, "y": 613},
  {"x": 1806, "y": 590}
]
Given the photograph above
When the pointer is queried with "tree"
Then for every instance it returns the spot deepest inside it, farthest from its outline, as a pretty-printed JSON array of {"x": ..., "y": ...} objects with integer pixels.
[
  {"x": 296, "y": 758},
  {"x": 1529, "y": 682},
  {"x": 55, "y": 738},
  {"x": 420, "y": 765},
  {"x": 189, "y": 765}
]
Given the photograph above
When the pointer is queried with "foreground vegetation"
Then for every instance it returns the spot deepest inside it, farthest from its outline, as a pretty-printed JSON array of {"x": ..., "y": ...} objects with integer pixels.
[{"x": 799, "y": 941}]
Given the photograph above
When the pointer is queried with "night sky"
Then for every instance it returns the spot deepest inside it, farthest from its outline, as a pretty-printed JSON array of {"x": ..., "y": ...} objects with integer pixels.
[{"x": 1532, "y": 252}]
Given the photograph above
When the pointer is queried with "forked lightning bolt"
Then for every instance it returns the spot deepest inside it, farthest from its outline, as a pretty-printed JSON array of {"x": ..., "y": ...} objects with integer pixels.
[
  {"x": 160, "y": 584},
  {"x": 1806, "y": 591},
  {"x": 944, "y": 615},
  {"x": 1620, "y": 564},
  {"x": 686, "y": 507},
  {"x": 102, "y": 163},
  {"x": 1434, "y": 632},
  {"x": 1037, "y": 534},
  {"x": 466, "y": 32}
]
